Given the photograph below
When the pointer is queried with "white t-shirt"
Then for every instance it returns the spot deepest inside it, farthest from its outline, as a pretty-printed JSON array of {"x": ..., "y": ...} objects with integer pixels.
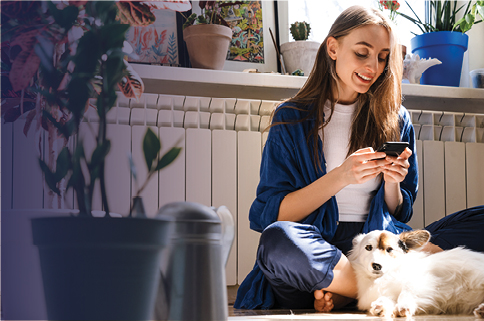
[{"x": 353, "y": 200}]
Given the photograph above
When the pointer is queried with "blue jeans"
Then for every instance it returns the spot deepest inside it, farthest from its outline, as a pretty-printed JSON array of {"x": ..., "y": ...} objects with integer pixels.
[{"x": 296, "y": 260}]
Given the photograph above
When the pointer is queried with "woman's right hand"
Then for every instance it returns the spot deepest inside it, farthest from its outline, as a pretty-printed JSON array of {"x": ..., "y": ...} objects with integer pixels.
[
  {"x": 358, "y": 168},
  {"x": 362, "y": 166}
]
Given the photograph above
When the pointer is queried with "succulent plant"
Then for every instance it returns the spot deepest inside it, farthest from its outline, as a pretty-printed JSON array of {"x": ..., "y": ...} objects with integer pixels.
[{"x": 300, "y": 30}]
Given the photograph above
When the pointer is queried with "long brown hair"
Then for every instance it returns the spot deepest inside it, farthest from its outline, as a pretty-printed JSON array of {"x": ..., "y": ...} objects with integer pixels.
[{"x": 376, "y": 116}]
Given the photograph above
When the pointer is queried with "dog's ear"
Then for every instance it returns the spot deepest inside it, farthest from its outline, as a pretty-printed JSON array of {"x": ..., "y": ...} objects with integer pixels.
[
  {"x": 358, "y": 238},
  {"x": 413, "y": 240}
]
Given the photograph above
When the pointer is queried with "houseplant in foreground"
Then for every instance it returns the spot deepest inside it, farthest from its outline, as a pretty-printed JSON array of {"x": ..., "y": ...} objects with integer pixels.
[
  {"x": 93, "y": 268},
  {"x": 22, "y": 82},
  {"x": 301, "y": 53},
  {"x": 443, "y": 37}
]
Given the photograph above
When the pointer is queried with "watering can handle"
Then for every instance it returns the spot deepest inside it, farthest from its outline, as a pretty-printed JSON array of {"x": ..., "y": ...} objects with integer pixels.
[{"x": 228, "y": 231}]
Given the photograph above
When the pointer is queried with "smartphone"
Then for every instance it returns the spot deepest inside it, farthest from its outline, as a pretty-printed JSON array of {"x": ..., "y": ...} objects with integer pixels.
[{"x": 393, "y": 148}]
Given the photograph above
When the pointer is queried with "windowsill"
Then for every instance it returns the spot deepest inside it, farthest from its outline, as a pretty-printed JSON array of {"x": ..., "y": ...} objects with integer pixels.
[{"x": 230, "y": 84}]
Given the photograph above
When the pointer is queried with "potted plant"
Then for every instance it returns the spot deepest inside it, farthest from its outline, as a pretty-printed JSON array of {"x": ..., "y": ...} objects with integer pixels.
[
  {"x": 208, "y": 35},
  {"x": 102, "y": 268},
  {"x": 301, "y": 53},
  {"x": 23, "y": 83},
  {"x": 443, "y": 37}
]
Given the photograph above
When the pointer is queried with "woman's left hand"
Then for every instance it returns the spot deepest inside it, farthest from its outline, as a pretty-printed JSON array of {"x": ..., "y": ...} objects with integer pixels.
[{"x": 398, "y": 169}]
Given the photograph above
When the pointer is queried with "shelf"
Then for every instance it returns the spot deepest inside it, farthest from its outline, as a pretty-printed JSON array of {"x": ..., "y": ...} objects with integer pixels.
[
  {"x": 229, "y": 84},
  {"x": 441, "y": 98}
]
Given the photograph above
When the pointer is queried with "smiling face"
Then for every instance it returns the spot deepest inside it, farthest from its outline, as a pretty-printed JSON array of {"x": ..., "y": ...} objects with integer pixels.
[{"x": 361, "y": 57}]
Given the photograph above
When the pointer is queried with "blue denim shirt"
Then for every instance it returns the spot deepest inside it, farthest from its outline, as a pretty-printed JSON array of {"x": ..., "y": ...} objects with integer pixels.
[{"x": 287, "y": 165}]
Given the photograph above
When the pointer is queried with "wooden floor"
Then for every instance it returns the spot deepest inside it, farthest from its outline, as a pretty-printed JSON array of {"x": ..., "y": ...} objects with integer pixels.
[
  {"x": 346, "y": 314},
  {"x": 266, "y": 315}
]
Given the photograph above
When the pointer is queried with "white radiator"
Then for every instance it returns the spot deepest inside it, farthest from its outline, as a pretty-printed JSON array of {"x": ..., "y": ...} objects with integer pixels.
[{"x": 219, "y": 165}]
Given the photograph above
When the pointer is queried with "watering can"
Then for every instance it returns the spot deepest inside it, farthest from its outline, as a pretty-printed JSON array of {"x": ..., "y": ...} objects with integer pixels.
[{"x": 192, "y": 284}]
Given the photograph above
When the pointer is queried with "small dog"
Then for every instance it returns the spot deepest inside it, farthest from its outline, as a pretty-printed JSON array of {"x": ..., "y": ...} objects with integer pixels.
[{"x": 396, "y": 279}]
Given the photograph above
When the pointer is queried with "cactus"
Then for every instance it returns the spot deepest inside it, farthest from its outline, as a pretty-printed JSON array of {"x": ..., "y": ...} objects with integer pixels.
[{"x": 300, "y": 30}]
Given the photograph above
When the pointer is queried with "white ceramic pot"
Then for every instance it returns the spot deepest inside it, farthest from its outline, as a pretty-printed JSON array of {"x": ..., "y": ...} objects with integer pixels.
[
  {"x": 207, "y": 45},
  {"x": 299, "y": 55}
]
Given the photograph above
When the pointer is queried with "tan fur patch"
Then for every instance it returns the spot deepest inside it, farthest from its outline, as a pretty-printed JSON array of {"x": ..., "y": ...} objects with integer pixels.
[
  {"x": 415, "y": 239},
  {"x": 385, "y": 244},
  {"x": 383, "y": 241}
]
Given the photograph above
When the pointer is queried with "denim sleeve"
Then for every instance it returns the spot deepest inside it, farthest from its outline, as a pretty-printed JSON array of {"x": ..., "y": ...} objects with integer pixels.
[
  {"x": 409, "y": 186},
  {"x": 276, "y": 181}
]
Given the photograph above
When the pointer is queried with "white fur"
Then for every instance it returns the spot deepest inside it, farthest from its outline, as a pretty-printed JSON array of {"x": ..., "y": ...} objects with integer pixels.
[{"x": 415, "y": 282}]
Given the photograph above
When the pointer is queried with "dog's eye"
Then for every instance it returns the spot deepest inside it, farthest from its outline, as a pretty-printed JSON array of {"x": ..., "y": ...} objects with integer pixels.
[
  {"x": 369, "y": 247},
  {"x": 389, "y": 250}
]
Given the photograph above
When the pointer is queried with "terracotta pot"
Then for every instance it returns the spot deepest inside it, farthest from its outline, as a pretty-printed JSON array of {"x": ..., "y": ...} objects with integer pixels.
[
  {"x": 207, "y": 45},
  {"x": 299, "y": 54}
]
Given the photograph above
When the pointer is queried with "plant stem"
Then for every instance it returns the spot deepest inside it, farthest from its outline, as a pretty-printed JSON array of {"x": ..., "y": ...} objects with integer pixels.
[
  {"x": 150, "y": 174},
  {"x": 102, "y": 137}
]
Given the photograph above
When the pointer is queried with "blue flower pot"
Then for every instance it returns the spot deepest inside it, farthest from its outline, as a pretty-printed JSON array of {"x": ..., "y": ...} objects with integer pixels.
[{"x": 449, "y": 48}]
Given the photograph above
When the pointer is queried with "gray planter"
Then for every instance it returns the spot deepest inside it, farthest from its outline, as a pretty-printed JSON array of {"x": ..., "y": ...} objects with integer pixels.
[
  {"x": 299, "y": 55},
  {"x": 100, "y": 268}
]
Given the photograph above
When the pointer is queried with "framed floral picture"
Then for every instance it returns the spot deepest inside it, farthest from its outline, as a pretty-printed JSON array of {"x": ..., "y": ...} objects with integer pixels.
[
  {"x": 251, "y": 46},
  {"x": 159, "y": 43}
]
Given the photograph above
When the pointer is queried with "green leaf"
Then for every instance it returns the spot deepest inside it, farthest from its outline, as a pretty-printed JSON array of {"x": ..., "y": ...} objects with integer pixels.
[
  {"x": 88, "y": 54},
  {"x": 480, "y": 9},
  {"x": 65, "y": 17},
  {"x": 114, "y": 35},
  {"x": 99, "y": 154},
  {"x": 50, "y": 178},
  {"x": 78, "y": 93},
  {"x": 151, "y": 147},
  {"x": 168, "y": 158},
  {"x": 466, "y": 23},
  {"x": 62, "y": 129},
  {"x": 62, "y": 164}
]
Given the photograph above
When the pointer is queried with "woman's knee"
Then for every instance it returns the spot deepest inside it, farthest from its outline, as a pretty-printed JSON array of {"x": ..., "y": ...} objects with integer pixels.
[{"x": 282, "y": 239}]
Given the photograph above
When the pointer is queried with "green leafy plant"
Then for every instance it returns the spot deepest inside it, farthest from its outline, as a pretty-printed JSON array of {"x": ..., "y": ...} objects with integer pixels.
[
  {"x": 154, "y": 161},
  {"x": 442, "y": 16},
  {"x": 99, "y": 59},
  {"x": 210, "y": 13},
  {"x": 41, "y": 32},
  {"x": 300, "y": 30},
  {"x": 60, "y": 59}
]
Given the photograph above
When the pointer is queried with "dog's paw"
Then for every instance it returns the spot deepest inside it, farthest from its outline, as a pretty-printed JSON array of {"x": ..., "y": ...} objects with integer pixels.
[
  {"x": 404, "y": 310},
  {"x": 382, "y": 307},
  {"x": 479, "y": 311}
]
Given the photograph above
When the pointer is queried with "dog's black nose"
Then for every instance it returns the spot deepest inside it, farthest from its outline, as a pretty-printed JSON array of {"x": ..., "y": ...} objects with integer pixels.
[{"x": 376, "y": 266}]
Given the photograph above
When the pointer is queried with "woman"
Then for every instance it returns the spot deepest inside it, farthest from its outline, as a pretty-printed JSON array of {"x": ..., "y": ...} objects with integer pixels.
[{"x": 321, "y": 180}]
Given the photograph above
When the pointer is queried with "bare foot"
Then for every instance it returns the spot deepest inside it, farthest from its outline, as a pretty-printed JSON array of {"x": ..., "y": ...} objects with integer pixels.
[{"x": 325, "y": 301}]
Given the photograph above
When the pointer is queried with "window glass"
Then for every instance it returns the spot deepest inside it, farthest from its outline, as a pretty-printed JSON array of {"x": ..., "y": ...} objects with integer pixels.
[{"x": 321, "y": 15}]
